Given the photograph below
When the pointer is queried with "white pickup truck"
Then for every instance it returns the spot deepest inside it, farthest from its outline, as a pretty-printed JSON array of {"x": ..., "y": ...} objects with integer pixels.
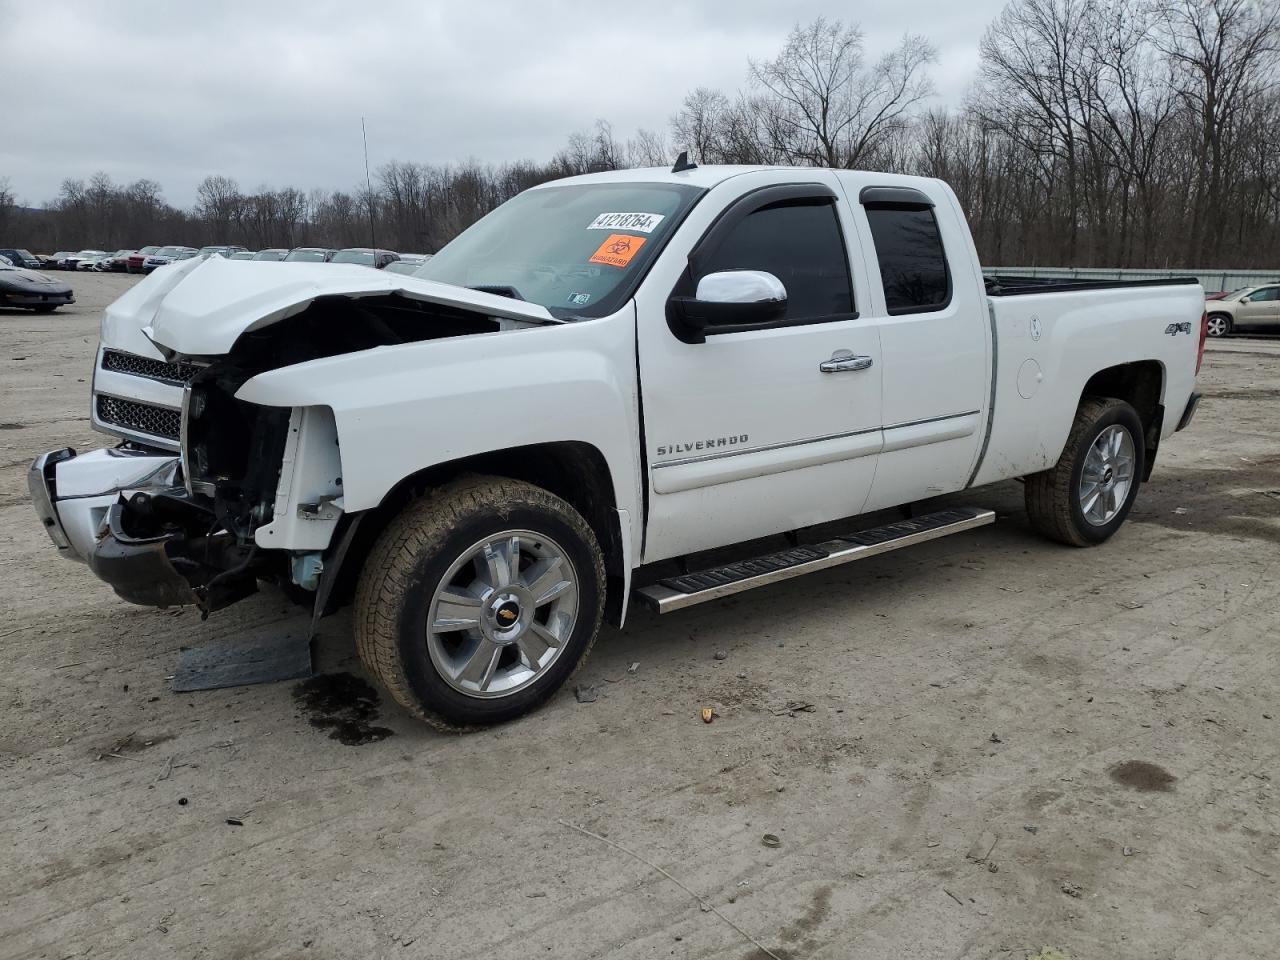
[{"x": 605, "y": 373}]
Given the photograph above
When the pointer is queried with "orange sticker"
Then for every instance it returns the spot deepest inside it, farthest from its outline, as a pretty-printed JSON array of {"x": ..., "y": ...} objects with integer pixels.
[{"x": 618, "y": 250}]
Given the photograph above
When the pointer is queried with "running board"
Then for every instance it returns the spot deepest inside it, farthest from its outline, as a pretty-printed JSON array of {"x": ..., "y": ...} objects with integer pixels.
[{"x": 675, "y": 593}]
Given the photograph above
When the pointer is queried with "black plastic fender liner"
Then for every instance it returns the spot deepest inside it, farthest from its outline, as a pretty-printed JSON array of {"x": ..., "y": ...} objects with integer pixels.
[{"x": 139, "y": 570}]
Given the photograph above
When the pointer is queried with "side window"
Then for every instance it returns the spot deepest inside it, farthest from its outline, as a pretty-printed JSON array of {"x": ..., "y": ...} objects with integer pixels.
[
  {"x": 802, "y": 246},
  {"x": 1266, "y": 293},
  {"x": 913, "y": 265}
]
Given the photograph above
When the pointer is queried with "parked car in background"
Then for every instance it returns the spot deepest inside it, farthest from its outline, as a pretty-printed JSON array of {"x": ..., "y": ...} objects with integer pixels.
[
  {"x": 51, "y": 261},
  {"x": 135, "y": 260},
  {"x": 116, "y": 262},
  {"x": 20, "y": 287},
  {"x": 408, "y": 263},
  {"x": 310, "y": 255},
  {"x": 85, "y": 264},
  {"x": 243, "y": 255},
  {"x": 72, "y": 261},
  {"x": 367, "y": 256},
  {"x": 167, "y": 255},
  {"x": 272, "y": 253},
  {"x": 225, "y": 249},
  {"x": 1247, "y": 308},
  {"x": 21, "y": 258}
]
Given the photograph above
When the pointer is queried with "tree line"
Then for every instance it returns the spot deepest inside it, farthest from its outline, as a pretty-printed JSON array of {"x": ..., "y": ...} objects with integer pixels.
[{"x": 1119, "y": 133}]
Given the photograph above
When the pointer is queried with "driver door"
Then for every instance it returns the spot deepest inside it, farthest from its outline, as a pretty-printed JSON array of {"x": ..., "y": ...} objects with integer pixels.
[
  {"x": 761, "y": 430},
  {"x": 1262, "y": 310}
]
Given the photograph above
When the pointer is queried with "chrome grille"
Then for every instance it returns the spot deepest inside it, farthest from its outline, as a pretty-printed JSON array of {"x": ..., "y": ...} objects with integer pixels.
[
  {"x": 175, "y": 373},
  {"x": 140, "y": 417}
]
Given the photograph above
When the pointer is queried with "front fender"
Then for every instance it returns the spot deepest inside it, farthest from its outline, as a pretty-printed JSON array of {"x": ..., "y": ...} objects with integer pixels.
[{"x": 401, "y": 409}]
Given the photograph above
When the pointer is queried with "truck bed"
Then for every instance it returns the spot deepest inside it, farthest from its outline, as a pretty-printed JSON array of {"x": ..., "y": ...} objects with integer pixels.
[{"x": 1004, "y": 285}]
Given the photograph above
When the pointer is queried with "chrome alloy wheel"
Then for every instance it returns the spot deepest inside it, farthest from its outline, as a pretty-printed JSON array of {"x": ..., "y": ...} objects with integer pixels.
[
  {"x": 502, "y": 613},
  {"x": 1217, "y": 326},
  {"x": 1107, "y": 475}
]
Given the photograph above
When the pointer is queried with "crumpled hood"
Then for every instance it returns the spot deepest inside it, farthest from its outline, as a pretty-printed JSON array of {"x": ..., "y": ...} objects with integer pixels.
[{"x": 199, "y": 307}]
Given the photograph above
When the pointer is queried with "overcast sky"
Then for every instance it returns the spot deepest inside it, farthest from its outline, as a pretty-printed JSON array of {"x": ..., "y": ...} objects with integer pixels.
[{"x": 271, "y": 93}]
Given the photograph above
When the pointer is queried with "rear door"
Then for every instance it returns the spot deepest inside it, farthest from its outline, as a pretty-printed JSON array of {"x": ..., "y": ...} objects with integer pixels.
[
  {"x": 935, "y": 336},
  {"x": 745, "y": 434}
]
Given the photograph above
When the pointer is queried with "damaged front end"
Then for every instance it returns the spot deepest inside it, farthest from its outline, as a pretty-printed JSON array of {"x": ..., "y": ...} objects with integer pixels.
[{"x": 255, "y": 493}]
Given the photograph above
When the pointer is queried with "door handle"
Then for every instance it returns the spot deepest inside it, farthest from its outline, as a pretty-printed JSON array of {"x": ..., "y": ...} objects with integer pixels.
[{"x": 844, "y": 364}]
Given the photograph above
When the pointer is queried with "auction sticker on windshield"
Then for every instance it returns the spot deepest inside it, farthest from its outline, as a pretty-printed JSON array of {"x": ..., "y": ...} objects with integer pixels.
[
  {"x": 639, "y": 222},
  {"x": 618, "y": 250}
]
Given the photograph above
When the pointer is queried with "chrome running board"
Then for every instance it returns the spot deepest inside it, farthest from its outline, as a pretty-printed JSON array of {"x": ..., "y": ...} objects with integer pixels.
[{"x": 675, "y": 593}]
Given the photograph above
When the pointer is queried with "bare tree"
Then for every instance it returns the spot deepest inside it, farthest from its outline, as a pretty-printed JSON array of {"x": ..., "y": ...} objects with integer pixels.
[
  {"x": 832, "y": 110},
  {"x": 1225, "y": 53}
]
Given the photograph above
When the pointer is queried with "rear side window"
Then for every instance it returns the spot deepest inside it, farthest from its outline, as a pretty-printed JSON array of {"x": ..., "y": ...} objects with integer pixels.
[
  {"x": 801, "y": 245},
  {"x": 913, "y": 265}
]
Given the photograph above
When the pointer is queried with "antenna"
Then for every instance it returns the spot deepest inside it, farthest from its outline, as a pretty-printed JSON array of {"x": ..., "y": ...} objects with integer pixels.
[
  {"x": 683, "y": 164},
  {"x": 368, "y": 184}
]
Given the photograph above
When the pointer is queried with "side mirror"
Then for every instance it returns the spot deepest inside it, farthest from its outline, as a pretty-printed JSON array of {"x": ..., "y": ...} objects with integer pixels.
[
  {"x": 728, "y": 302},
  {"x": 1245, "y": 300}
]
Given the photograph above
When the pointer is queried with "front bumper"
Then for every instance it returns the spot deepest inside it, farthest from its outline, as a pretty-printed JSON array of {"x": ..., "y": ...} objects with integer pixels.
[
  {"x": 54, "y": 299},
  {"x": 81, "y": 502}
]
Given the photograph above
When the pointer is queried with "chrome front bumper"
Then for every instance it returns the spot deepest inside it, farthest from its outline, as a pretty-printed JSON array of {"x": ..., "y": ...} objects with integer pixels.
[{"x": 73, "y": 495}]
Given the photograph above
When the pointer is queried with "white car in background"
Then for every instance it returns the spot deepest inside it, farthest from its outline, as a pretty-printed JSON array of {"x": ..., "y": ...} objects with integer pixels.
[{"x": 73, "y": 261}]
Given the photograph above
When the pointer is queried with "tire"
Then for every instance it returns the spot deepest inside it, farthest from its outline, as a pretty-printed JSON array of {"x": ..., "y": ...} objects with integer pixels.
[
  {"x": 45, "y": 309},
  {"x": 421, "y": 569},
  {"x": 1057, "y": 498},
  {"x": 1219, "y": 325}
]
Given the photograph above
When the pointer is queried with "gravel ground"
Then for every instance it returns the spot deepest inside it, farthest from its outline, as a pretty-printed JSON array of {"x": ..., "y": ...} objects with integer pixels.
[{"x": 1004, "y": 745}]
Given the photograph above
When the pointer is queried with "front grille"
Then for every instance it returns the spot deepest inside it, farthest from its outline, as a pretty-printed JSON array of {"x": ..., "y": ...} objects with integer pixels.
[
  {"x": 140, "y": 417},
  {"x": 176, "y": 373}
]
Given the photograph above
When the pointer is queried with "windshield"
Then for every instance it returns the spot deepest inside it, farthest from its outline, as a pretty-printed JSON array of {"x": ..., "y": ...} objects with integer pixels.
[
  {"x": 168, "y": 251},
  {"x": 576, "y": 250},
  {"x": 353, "y": 256},
  {"x": 305, "y": 256},
  {"x": 148, "y": 250},
  {"x": 269, "y": 255},
  {"x": 25, "y": 254}
]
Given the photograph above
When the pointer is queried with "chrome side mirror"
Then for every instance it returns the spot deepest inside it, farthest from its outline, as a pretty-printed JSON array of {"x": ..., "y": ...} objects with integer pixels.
[{"x": 728, "y": 301}]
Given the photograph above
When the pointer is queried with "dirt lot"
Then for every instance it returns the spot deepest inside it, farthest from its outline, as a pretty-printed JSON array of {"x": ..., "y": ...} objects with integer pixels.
[{"x": 984, "y": 689}]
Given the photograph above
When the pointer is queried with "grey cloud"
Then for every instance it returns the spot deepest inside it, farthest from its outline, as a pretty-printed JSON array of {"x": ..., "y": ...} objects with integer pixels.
[{"x": 272, "y": 93}]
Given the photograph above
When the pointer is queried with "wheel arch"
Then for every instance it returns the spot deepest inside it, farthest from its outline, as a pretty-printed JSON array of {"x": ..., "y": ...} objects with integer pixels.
[
  {"x": 1140, "y": 384},
  {"x": 575, "y": 471}
]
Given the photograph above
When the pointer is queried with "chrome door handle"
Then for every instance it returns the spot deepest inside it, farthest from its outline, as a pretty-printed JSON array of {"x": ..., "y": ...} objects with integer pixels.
[{"x": 843, "y": 364}]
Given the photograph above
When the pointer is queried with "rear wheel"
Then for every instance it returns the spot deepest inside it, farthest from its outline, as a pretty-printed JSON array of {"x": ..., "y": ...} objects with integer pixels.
[
  {"x": 479, "y": 601},
  {"x": 45, "y": 308},
  {"x": 1085, "y": 498},
  {"x": 1218, "y": 325}
]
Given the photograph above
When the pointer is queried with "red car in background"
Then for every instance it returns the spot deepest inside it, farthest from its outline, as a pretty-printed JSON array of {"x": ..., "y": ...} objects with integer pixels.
[{"x": 136, "y": 259}]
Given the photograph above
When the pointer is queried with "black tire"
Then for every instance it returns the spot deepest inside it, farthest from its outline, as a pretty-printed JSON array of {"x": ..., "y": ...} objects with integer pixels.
[
  {"x": 45, "y": 309},
  {"x": 411, "y": 558},
  {"x": 1219, "y": 325},
  {"x": 1052, "y": 496}
]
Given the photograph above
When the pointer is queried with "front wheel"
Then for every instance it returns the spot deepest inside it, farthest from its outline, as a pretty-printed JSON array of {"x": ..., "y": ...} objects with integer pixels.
[
  {"x": 1218, "y": 325},
  {"x": 1085, "y": 498},
  {"x": 479, "y": 601}
]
